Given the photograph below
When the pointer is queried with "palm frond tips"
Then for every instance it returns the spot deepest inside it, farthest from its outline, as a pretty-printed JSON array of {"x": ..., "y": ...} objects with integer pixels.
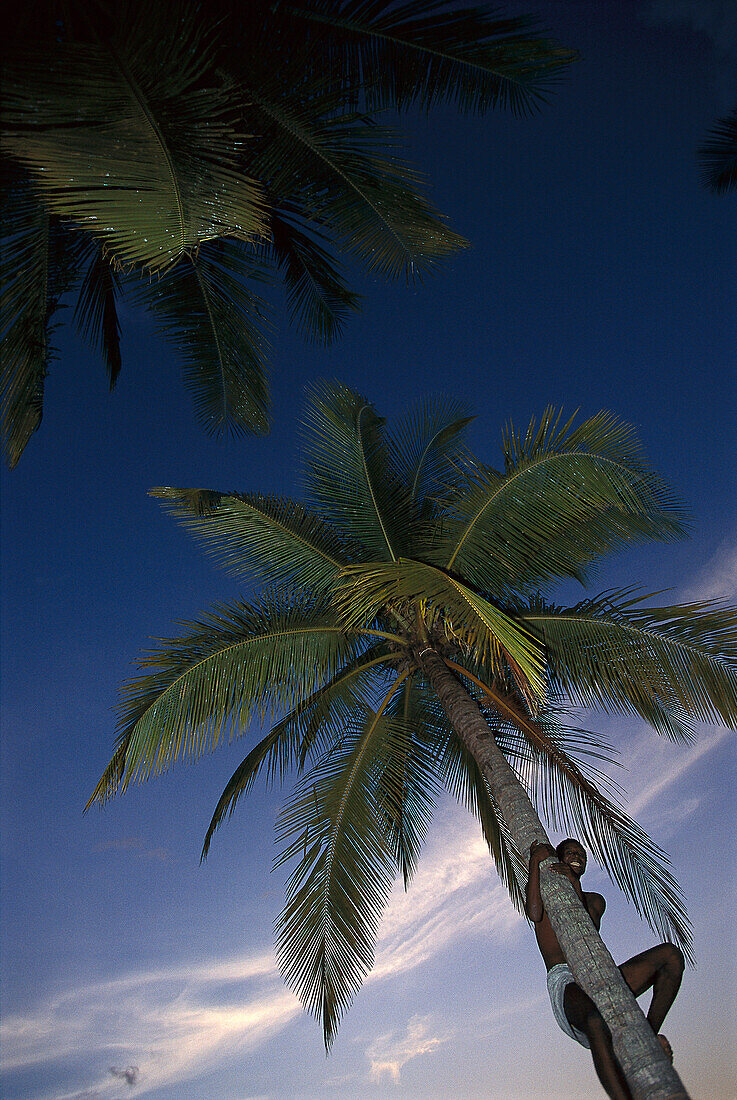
[
  {"x": 96, "y": 314},
  {"x": 615, "y": 653},
  {"x": 429, "y": 449},
  {"x": 422, "y": 53},
  {"x": 307, "y": 731},
  {"x": 718, "y": 155},
  {"x": 210, "y": 316},
  {"x": 326, "y": 933},
  {"x": 142, "y": 111},
  {"x": 318, "y": 299},
  {"x": 272, "y": 538}
]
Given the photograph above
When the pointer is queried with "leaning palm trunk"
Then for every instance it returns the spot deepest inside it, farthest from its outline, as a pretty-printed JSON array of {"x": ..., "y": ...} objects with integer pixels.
[{"x": 648, "y": 1072}]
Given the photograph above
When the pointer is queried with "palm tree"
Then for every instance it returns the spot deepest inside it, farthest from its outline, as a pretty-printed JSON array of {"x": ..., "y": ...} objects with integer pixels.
[
  {"x": 404, "y": 641},
  {"x": 186, "y": 154}
]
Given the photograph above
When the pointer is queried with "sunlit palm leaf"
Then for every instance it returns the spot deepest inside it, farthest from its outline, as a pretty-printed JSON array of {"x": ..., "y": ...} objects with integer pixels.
[
  {"x": 132, "y": 135},
  {"x": 350, "y": 479},
  {"x": 718, "y": 155},
  {"x": 614, "y": 653},
  {"x": 272, "y": 538},
  {"x": 476, "y": 624},
  {"x": 210, "y": 316},
  {"x": 422, "y": 53},
  {"x": 326, "y": 933},
  {"x": 96, "y": 313},
  {"x": 568, "y": 496},
  {"x": 240, "y": 663},
  {"x": 318, "y": 299}
]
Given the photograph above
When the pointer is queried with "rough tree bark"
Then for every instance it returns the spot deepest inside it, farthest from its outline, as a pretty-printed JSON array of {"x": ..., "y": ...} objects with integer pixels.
[{"x": 648, "y": 1071}]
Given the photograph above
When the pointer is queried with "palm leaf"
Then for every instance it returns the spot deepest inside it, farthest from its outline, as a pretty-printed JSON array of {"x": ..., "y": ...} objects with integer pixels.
[
  {"x": 718, "y": 155},
  {"x": 350, "y": 479},
  {"x": 422, "y": 53},
  {"x": 428, "y": 448},
  {"x": 206, "y": 312},
  {"x": 326, "y": 933},
  {"x": 96, "y": 312},
  {"x": 25, "y": 310},
  {"x": 310, "y": 727},
  {"x": 614, "y": 653},
  {"x": 241, "y": 662},
  {"x": 132, "y": 134},
  {"x": 568, "y": 496},
  {"x": 408, "y": 812},
  {"x": 350, "y": 181},
  {"x": 270, "y": 538},
  {"x": 318, "y": 299},
  {"x": 471, "y": 621}
]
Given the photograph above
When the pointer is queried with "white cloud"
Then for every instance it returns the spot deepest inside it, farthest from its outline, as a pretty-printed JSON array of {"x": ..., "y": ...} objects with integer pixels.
[
  {"x": 455, "y": 893},
  {"x": 388, "y": 1053},
  {"x": 175, "y": 1022},
  {"x": 654, "y": 757},
  {"x": 718, "y": 578}
]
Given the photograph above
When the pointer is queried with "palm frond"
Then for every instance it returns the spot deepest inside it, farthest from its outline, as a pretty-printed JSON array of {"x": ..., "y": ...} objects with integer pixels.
[
  {"x": 318, "y": 299},
  {"x": 471, "y": 621},
  {"x": 718, "y": 155},
  {"x": 428, "y": 447},
  {"x": 419, "y": 53},
  {"x": 96, "y": 313},
  {"x": 314, "y": 725},
  {"x": 214, "y": 321},
  {"x": 350, "y": 478},
  {"x": 570, "y": 794},
  {"x": 568, "y": 495},
  {"x": 408, "y": 816},
  {"x": 350, "y": 182},
  {"x": 326, "y": 932},
  {"x": 241, "y": 662},
  {"x": 25, "y": 310},
  {"x": 270, "y": 538},
  {"x": 132, "y": 134},
  {"x": 613, "y": 652}
]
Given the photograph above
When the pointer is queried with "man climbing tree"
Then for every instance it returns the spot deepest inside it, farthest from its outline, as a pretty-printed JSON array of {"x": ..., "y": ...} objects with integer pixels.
[{"x": 659, "y": 968}]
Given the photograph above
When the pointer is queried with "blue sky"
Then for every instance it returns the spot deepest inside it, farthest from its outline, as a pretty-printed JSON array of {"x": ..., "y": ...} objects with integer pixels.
[{"x": 600, "y": 275}]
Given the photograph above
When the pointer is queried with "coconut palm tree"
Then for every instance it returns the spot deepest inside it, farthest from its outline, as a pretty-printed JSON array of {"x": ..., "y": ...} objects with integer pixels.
[
  {"x": 185, "y": 154},
  {"x": 405, "y": 640}
]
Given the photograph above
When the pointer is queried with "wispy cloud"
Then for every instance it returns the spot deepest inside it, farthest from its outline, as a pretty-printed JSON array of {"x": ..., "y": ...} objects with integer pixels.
[
  {"x": 718, "y": 578},
  {"x": 135, "y": 845},
  {"x": 388, "y": 1053},
  {"x": 654, "y": 758},
  {"x": 173, "y": 1023},
  {"x": 716, "y": 20}
]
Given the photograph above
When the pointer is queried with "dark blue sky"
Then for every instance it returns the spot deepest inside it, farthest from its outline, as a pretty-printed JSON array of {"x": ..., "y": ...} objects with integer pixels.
[{"x": 600, "y": 274}]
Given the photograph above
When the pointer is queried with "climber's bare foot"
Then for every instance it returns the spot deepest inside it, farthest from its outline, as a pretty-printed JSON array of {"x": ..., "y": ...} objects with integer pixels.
[{"x": 666, "y": 1046}]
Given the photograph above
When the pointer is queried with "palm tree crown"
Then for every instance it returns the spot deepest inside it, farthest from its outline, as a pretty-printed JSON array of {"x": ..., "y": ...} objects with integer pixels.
[
  {"x": 407, "y": 551},
  {"x": 187, "y": 153}
]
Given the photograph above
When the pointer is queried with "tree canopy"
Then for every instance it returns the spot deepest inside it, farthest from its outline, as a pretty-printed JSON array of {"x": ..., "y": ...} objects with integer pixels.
[{"x": 186, "y": 155}]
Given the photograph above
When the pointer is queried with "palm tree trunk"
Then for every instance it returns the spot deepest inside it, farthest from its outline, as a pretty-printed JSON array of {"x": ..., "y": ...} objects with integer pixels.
[{"x": 648, "y": 1072}]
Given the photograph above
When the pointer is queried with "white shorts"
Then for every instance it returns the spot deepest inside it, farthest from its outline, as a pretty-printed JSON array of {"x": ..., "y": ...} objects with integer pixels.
[{"x": 559, "y": 977}]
